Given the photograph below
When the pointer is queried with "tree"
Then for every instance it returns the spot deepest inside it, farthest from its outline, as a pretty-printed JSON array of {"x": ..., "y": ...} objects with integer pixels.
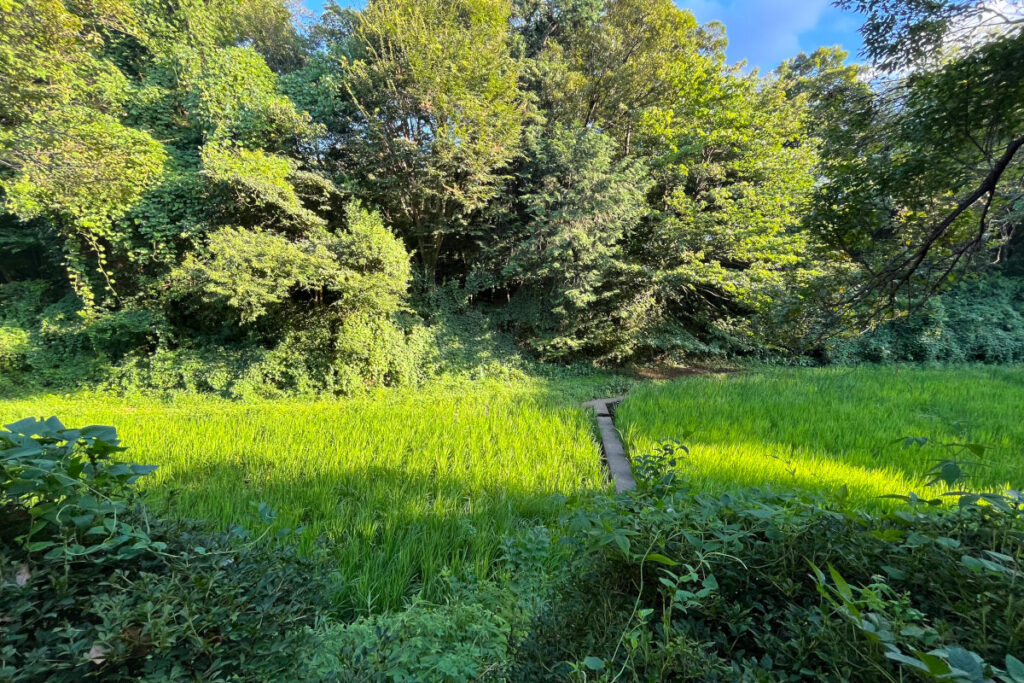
[
  {"x": 323, "y": 302},
  {"x": 736, "y": 176},
  {"x": 539, "y": 21},
  {"x": 181, "y": 189},
  {"x": 837, "y": 93},
  {"x": 49, "y": 57},
  {"x": 557, "y": 245},
  {"x": 83, "y": 171},
  {"x": 636, "y": 55},
  {"x": 939, "y": 161},
  {"x": 904, "y": 33},
  {"x": 95, "y": 87},
  {"x": 422, "y": 101}
]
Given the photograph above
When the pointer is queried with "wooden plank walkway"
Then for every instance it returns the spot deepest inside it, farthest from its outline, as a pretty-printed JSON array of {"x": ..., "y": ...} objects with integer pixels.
[{"x": 614, "y": 451}]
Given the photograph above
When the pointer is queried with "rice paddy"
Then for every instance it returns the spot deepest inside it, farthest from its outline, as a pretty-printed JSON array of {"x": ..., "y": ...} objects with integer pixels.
[
  {"x": 407, "y": 487},
  {"x": 826, "y": 429},
  {"x": 402, "y": 486}
]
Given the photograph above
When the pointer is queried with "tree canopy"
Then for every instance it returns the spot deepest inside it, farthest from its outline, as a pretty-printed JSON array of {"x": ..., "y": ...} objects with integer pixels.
[{"x": 213, "y": 183}]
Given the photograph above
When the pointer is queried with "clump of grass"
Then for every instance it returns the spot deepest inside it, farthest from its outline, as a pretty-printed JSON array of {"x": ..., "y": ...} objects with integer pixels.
[
  {"x": 833, "y": 430},
  {"x": 403, "y": 486}
]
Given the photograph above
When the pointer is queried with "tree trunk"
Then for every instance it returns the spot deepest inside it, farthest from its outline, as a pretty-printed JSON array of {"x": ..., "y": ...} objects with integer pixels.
[{"x": 429, "y": 252}]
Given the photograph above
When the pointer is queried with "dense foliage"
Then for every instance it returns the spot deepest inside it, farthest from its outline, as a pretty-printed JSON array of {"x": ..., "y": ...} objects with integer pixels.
[
  {"x": 218, "y": 197},
  {"x": 95, "y": 585},
  {"x": 761, "y": 585},
  {"x": 166, "y": 198},
  {"x": 201, "y": 196}
]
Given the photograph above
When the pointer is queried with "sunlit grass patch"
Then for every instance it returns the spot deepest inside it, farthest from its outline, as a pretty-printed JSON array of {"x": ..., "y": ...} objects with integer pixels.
[
  {"x": 402, "y": 486},
  {"x": 825, "y": 429}
]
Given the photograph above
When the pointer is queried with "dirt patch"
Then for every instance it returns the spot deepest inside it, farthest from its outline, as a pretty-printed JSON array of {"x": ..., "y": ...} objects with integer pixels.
[{"x": 663, "y": 371}]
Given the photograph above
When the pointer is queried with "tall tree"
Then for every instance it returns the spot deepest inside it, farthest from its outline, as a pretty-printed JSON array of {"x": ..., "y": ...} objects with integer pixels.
[
  {"x": 556, "y": 246},
  {"x": 421, "y": 99},
  {"x": 150, "y": 143},
  {"x": 636, "y": 55},
  {"x": 940, "y": 162},
  {"x": 736, "y": 172}
]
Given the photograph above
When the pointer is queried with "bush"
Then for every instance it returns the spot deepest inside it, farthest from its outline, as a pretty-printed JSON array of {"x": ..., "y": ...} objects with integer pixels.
[
  {"x": 91, "y": 584},
  {"x": 205, "y": 369},
  {"x": 47, "y": 339},
  {"x": 451, "y": 643},
  {"x": 14, "y": 344},
  {"x": 979, "y": 320},
  {"x": 759, "y": 585},
  {"x": 257, "y": 314}
]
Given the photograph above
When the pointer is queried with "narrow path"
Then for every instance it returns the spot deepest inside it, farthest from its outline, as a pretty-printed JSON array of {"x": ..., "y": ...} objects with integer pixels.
[{"x": 614, "y": 451}]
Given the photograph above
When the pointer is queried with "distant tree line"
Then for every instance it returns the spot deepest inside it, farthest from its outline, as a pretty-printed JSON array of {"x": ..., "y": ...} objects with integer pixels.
[{"x": 201, "y": 186}]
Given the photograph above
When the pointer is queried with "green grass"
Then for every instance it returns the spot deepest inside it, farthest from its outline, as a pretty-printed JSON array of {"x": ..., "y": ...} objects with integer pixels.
[
  {"x": 402, "y": 485},
  {"x": 405, "y": 486},
  {"x": 829, "y": 428}
]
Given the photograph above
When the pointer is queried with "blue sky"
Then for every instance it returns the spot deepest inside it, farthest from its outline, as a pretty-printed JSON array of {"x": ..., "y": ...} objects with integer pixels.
[{"x": 763, "y": 32}]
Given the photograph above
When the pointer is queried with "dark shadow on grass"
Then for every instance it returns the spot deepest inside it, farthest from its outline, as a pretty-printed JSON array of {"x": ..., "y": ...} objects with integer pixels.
[{"x": 393, "y": 534}]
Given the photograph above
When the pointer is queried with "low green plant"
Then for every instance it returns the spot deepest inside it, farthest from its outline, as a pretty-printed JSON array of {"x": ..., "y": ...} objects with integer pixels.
[
  {"x": 459, "y": 641},
  {"x": 674, "y": 584},
  {"x": 92, "y": 584},
  {"x": 63, "y": 494}
]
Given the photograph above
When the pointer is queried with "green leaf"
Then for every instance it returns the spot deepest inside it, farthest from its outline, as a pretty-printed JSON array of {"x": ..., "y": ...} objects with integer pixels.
[
  {"x": 82, "y": 521},
  {"x": 894, "y": 572},
  {"x": 594, "y": 663},
  {"x": 36, "y": 546},
  {"x": 23, "y": 452},
  {"x": 622, "y": 542},
  {"x": 100, "y": 433},
  {"x": 28, "y": 426},
  {"x": 936, "y": 666},
  {"x": 661, "y": 559},
  {"x": 841, "y": 585},
  {"x": 909, "y": 661},
  {"x": 976, "y": 448},
  {"x": 966, "y": 661},
  {"x": 1015, "y": 669}
]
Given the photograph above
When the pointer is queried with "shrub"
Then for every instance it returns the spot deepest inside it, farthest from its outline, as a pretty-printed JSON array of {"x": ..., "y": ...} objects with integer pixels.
[
  {"x": 206, "y": 369},
  {"x": 14, "y": 344},
  {"x": 451, "y": 643},
  {"x": 758, "y": 585},
  {"x": 979, "y": 320},
  {"x": 91, "y": 584},
  {"x": 47, "y": 338},
  {"x": 258, "y": 313}
]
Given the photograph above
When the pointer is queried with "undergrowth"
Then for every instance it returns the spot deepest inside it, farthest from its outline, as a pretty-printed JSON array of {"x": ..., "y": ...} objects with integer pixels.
[{"x": 674, "y": 584}]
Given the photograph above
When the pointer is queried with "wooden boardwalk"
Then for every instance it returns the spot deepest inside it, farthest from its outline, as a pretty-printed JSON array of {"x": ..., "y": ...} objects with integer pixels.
[{"x": 614, "y": 451}]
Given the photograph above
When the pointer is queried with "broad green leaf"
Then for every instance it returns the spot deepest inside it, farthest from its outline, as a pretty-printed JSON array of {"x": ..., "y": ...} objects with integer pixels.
[{"x": 661, "y": 559}]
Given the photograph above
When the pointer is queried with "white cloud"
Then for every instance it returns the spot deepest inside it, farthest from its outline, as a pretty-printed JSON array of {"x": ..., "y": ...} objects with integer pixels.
[{"x": 763, "y": 32}]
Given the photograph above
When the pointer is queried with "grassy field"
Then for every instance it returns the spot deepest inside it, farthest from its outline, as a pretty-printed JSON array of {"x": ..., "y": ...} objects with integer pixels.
[
  {"x": 403, "y": 486},
  {"x": 406, "y": 485},
  {"x": 829, "y": 428}
]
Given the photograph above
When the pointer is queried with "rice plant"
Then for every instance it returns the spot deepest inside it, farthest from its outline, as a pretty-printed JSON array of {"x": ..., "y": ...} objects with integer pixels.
[
  {"x": 404, "y": 487},
  {"x": 863, "y": 432}
]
